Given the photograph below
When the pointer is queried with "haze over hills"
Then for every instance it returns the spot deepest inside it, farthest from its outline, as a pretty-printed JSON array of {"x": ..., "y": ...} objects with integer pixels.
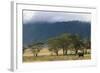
[{"x": 41, "y": 31}]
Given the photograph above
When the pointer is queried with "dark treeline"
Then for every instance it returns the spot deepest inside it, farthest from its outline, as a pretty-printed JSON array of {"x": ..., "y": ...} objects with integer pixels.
[{"x": 62, "y": 42}]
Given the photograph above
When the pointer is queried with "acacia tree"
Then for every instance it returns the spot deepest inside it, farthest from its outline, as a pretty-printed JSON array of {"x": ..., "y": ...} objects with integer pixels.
[
  {"x": 65, "y": 42},
  {"x": 36, "y": 47},
  {"x": 60, "y": 42},
  {"x": 87, "y": 44},
  {"x": 54, "y": 45},
  {"x": 77, "y": 43}
]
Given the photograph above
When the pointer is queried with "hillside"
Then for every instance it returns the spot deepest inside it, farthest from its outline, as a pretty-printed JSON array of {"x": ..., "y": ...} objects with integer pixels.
[{"x": 41, "y": 31}]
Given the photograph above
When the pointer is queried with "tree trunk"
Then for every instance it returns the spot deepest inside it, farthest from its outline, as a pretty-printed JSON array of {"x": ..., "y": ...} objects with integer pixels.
[
  {"x": 76, "y": 51},
  {"x": 56, "y": 52},
  {"x": 66, "y": 52},
  {"x": 63, "y": 52},
  {"x": 36, "y": 54}
]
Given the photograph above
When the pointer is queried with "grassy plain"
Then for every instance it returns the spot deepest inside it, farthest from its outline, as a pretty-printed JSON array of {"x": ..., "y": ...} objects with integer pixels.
[{"x": 46, "y": 55}]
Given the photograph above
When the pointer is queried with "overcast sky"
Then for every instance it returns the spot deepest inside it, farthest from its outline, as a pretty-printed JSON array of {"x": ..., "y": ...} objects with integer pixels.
[{"x": 43, "y": 16}]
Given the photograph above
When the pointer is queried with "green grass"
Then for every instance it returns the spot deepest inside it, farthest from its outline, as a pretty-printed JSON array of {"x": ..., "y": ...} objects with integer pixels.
[{"x": 55, "y": 58}]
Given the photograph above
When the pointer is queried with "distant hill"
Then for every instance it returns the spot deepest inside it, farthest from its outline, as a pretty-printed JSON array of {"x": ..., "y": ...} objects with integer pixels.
[{"x": 41, "y": 31}]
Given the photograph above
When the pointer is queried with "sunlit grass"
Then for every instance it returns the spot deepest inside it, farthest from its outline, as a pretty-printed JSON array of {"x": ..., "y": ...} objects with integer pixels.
[{"x": 55, "y": 58}]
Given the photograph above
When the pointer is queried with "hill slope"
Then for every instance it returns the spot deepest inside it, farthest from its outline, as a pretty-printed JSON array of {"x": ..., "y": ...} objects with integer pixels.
[{"x": 43, "y": 30}]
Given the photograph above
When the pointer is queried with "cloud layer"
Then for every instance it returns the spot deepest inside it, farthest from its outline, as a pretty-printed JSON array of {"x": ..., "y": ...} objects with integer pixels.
[{"x": 43, "y": 16}]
